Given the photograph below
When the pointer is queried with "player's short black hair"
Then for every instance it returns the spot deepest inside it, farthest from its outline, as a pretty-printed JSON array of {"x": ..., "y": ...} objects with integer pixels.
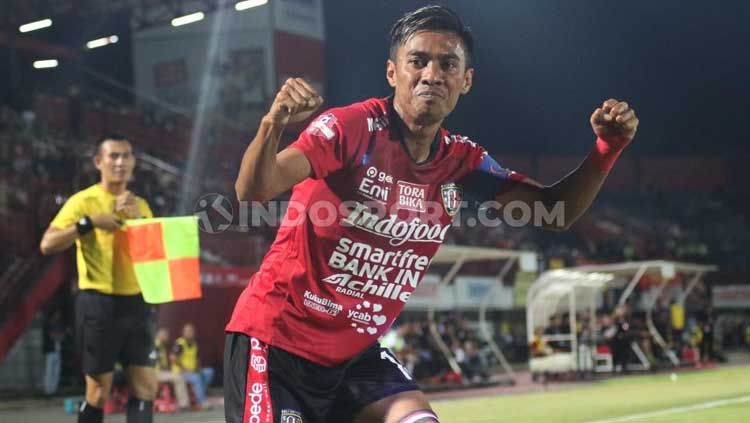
[
  {"x": 114, "y": 136},
  {"x": 431, "y": 18}
]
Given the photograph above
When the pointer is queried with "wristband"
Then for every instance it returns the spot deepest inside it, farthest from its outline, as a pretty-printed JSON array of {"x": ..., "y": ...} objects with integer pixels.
[
  {"x": 84, "y": 225},
  {"x": 604, "y": 155}
]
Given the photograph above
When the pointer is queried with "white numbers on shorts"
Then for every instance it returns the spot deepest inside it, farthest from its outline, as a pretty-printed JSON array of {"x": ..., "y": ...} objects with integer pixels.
[{"x": 387, "y": 355}]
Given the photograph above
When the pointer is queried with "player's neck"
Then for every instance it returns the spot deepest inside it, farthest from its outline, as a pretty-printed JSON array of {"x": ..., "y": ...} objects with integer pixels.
[
  {"x": 418, "y": 138},
  {"x": 114, "y": 188},
  {"x": 419, "y": 148}
]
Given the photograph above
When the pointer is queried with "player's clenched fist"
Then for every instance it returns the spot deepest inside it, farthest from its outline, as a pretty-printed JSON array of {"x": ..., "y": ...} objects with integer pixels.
[
  {"x": 295, "y": 102},
  {"x": 615, "y": 122}
]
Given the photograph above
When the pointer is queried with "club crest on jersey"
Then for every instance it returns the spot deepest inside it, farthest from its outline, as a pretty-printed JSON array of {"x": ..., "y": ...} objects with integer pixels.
[
  {"x": 291, "y": 416},
  {"x": 452, "y": 197}
]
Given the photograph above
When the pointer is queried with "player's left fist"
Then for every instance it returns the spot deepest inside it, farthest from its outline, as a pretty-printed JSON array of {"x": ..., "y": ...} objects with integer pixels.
[{"x": 615, "y": 122}]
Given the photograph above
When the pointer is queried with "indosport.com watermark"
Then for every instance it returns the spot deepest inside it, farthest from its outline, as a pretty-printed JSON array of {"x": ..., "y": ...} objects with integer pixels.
[{"x": 216, "y": 213}]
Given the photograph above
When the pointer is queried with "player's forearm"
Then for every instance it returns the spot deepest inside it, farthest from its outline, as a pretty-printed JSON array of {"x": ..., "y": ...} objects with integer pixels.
[
  {"x": 575, "y": 192},
  {"x": 57, "y": 240},
  {"x": 258, "y": 170}
]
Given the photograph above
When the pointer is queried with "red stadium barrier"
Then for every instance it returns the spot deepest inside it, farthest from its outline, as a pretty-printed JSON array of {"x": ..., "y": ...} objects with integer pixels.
[{"x": 41, "y": 290}]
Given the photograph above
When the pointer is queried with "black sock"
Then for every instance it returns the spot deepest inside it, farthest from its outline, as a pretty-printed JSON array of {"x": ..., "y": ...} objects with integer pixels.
[
  {"x": 89, "y": 414},
  {"x": 140, "y": 411}
]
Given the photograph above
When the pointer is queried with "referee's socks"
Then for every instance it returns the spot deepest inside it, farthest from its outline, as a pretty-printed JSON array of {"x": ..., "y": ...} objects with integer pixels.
[
  {"x": 140, "y": 411},
  {"x": 90, "y": 414}
]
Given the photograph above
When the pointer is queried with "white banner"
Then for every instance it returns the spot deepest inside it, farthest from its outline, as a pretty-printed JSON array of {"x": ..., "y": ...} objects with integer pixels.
[
  {"x": 223, "y": 63},
  {"x": 472, "y": 290},
  {"x": 467, "y": 292},
  {"x": 731, "y": 296},
  {"x": 300, "y": 17},
  {"x": 428, "y": 292}
]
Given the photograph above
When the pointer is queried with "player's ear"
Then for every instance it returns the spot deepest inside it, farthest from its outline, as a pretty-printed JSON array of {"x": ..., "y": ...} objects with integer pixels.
[
  {"x": 390, "y": 72},
  {"x": 468, "y": 80}
]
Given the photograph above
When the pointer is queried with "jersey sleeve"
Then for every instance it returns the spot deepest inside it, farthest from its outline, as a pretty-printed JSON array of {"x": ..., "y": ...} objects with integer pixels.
[
  {"x": 325, "y": 144},
  {"x": 488, "y": 178},
  {"x": 69, "y": 214}
]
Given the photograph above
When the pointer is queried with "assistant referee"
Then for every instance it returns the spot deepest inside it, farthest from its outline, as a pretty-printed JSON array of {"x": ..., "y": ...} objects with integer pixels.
[{"x": 113, "y": 323}]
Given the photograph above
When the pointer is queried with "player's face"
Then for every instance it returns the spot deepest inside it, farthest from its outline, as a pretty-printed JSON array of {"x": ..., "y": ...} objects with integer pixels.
[
  {"x": 115, "y": 161},
  {"x": 429, "y": 75}
]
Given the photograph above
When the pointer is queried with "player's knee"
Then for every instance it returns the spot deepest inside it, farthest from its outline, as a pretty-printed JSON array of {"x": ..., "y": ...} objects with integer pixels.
[{"x": 420, "y": 416}]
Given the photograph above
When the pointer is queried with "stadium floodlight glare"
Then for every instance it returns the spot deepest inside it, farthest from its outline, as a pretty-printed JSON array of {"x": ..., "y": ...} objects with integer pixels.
[
  {"x": 33, "y": 26},
  {"x": 101, "y": 42},
  {"x": 249, "y": 4},
  {"x": 45, "y": 64},
  {"x": 188, "y": 19}
]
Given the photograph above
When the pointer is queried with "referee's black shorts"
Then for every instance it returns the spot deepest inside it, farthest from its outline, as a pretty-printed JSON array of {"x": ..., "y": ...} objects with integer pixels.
[
  {"x": 265, "y": 384},
  {"x": 113, "y": 328}
]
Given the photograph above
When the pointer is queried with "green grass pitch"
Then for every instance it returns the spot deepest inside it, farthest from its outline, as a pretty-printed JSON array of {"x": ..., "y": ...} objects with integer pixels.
[{"x": 710, "y": 396}]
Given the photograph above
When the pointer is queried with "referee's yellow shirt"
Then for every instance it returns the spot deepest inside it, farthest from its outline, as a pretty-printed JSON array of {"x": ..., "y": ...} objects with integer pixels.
[{"x": 103, "y": 261}]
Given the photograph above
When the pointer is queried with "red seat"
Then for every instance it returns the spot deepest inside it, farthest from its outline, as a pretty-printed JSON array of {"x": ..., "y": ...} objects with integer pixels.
[
  {"x": 165, "y": 401},
  {"x": 117, "y": 401}
]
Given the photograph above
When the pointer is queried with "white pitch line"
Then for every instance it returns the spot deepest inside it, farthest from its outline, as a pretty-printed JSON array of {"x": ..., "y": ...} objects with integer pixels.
[{"x": 675, "y": 410}]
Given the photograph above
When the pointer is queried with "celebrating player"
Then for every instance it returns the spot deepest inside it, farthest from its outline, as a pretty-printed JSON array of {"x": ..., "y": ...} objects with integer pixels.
[{"x": 379, "y": 183}]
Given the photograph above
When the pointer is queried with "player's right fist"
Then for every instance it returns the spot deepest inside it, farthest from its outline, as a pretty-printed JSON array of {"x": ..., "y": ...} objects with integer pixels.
[{"x": 295, "y": 102}]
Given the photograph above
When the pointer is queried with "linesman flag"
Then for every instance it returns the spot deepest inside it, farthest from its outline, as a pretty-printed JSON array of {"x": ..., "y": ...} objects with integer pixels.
[{"x": 165, "y": 253}]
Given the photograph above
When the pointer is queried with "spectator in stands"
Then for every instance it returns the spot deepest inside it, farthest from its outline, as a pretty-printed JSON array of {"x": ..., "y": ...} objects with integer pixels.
[
  {"x": 463, "y": 332},
  {"x": 187, "y": 362},
  {"x": 475, "y": 367},
  {"x": 429, "y": 366},
  {"x": 557, "y": 330},
  {"x": 459, "y": 355},
  {"x": 538, "y": 345},
  {"x": 620, "y": 337},
  {"x": 707, "y": 341},
  {"x": 677, "y": 324},
  {"x": 644, "y": 339},
  {"x": 53, "y": 333},
  {"x": 112, "y": 319},
  {"x": 164, "y": 373}
]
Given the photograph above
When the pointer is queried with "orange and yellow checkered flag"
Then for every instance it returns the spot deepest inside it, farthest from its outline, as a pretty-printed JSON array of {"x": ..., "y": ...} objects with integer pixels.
[{"x": 165, "y": 252}]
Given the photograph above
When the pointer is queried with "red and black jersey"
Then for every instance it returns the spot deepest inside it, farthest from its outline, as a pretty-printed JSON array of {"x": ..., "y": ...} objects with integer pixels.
[{"x": 359, "y": 234}]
